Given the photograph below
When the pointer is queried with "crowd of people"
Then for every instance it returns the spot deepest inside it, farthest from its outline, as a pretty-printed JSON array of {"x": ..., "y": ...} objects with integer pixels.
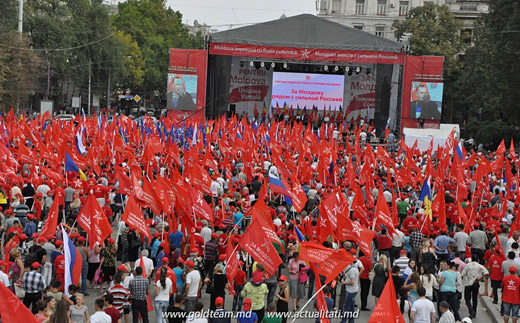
[{"x": 443, "y": 252}]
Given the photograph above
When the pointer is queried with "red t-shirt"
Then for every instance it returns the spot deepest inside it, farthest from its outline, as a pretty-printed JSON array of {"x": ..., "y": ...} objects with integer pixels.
[
  {"x": 59, "y": 196},
  {"x": 495, "y": 266},
  {"x": 113, "y": 313},
  {"x": 240, "y": 278},
  {"x": 511, "y": 289},
  {"x": 222, "y": 243},
  {"x": 384, "y": 242},
  {"x": 367, "y": 265},
  {"x": 59, "y": 263}
]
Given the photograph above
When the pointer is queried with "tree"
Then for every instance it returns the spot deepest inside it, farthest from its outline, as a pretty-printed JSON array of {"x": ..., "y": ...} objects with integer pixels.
[
  {"x": 18, "y": 69},
  {"x": 156, "y": 29},
  {"x": 489, "y": 86},
  {"x": 435, "y": 31}
]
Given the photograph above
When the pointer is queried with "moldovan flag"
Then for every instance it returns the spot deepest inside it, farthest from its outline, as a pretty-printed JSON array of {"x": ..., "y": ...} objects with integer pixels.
[
  {"x": 73, "y": 262},
  {"x": 12, "y": 309},
  {"x": 387, "y": 310}
]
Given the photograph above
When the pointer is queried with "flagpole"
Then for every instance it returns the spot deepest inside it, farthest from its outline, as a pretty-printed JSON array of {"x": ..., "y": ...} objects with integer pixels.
[{"x": 310, "y": 299}]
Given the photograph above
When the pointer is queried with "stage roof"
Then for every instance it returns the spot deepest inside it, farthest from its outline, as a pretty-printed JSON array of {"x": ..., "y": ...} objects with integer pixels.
[{"x": 306, "y": 31}]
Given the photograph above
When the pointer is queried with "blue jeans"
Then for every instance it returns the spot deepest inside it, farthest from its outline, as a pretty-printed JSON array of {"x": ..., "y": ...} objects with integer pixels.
[
  {"x": 84, "y": 270},
  {"x": 160, "y": 307},
  {"x": 349, "y": 307}
]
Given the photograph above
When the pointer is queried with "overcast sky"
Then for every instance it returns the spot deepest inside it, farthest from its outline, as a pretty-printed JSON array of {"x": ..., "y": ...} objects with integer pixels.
[{"x": 220, "y": 14}]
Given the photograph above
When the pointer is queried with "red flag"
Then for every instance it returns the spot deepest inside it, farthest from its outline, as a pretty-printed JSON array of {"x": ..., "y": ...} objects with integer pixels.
[
  {"x": 200, "y": 178},
  {"x": 12, "y": 309},
  {"x": 298, "y": 196},
  {"x": 51, "y": 223},
  {"x": 321, "y": 303},
  {"x": 94, "y": 221},
  {"x": 125, "y": 183},
  {"x": 439, "y": 208},
  {"x": 331, "y": 261},
  {"x": 383, "y": 215},
  {"x": 199, "y": 206},
  {"x": 231, "y": 266},
  {"x": 149, "y": 196},
  {"x": 501, "y": 149},
  {"x": 387, "y": 310},
  {"x": 359, "y": 207},
  {"x": 261, "y": 249},
  {"x": 324, "y": 226},
  {"x": 363, "y": 236},
  {"x": 133, "y": 216}
]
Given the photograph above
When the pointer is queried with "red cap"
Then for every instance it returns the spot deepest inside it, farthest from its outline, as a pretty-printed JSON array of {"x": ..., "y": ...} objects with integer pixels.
[
  {"x": 219, "y": 301},
  {"x": 222, "y": 257},
  {"x": 30, "y": 216},
  {"x": 156, "y": 234},
  {"x": 353, "y": 251},
  {"x": 58, "y": 243},
  {"x": 165, "y": 260},
  {"x": 247, "y": 304},
  {"x": 404, "y": 252},
  {"x": 22, "y": 236},
  {"x": 35, "y": 265},
  {"x": 122, "y": 268},
  {"x": 180, "y": 260},
  {"x": 283, "y": 277},
  {"x": 512, "y": 269},
  {"x": 34, "y": 235},
  {"x": 189, "y": 263},
  {"x": 39, "y": 194},
  {"x": 110, "y": 240},
  {"x": 163, "y": 244},
  {"x": 81, "y": 239},
  {"x": 214, "y": 235},
  {"x": 42, "y": 239}
]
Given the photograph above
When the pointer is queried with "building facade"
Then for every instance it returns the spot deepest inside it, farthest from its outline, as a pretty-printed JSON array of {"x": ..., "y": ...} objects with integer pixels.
[{"x": 377, "y": 16}]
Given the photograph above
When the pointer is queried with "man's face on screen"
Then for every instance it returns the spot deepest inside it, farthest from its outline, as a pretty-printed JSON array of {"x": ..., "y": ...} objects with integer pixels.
[{"x": 421, "y": 93}]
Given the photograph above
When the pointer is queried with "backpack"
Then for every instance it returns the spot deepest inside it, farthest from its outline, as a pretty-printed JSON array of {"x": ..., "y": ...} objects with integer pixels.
[{"x": 30, "y": 258}]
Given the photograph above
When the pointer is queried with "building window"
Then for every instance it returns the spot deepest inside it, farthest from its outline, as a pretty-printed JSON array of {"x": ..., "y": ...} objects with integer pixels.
[
  {"x": 358, "y": 27},
  {"x": 360, "y": 7},
  {"x": 467, "y": 36},
  {"x": 336, "y": 6},
  {"x": 380, "y": 31},
  {"x": 403, "y": 8},
  {"x": 381, "y": 7}
]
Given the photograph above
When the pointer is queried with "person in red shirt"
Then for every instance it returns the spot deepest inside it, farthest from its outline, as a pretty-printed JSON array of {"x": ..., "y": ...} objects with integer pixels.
[
  {"x": 496, "y": 275},
  {"x": 385, "y": 242},
  {"x": 37, "y": 205},
  {"x": 364, "y": 280},
  {"x": 510, "y": 295},
  {"x": 222, "y": 243},
  {"x": 107, "y": 210},
  {"x": 59, "y": 265},
  {"x": 59, "y": 195},
  {"x": 238, "y": 284}
]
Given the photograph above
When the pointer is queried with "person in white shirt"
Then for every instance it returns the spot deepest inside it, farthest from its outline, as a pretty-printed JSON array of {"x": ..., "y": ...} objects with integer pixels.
[
  {"x": 193, "y": 284},
  {"x": 423, "y": 310},
  {"x": 4, "y": 279},
  {"x": 397, "y": 244},
  {"x": 461, "y": 238},
  {"x": 148, "y": 263},
  {"x": 206, "y": 232},
  {"x": 196, "y": 316},
  {"x": 163, "y": 289},
  {"x": 100, "y": 316}
]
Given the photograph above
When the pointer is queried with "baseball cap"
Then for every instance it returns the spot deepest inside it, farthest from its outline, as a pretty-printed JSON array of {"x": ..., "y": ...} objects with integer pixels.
[
  {"x": 165, "y": 260},
  {"x": 58, "y": 243},
  {"x": 81, "y": 239},
  {"x": 352, "y": 251},
  {"x": 122, "y": 268},
  {"x": 35, "y": 265},
  {"x": 247, "y": 304},
  {"x": 219, "y": 301},
  {"x": 512, "y": 269},
  {"x": 214, "y": 235},
  {"x": 403, "y": 252},
  {"x": 283, "y": 277},
  {"x": 222, "y": 257},
  {"x": 189, "y": 263}
]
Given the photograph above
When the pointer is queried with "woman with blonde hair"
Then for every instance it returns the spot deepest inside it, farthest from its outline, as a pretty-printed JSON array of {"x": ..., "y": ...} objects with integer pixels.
[{"x": 380, "y": 276}]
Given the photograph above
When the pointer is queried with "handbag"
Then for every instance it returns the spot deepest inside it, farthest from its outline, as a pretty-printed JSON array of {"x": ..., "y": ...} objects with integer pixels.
[
  {"x": 18, "y": 290},
  {"x": 211, "y": 287},
  {"x": 97, "y": 275}
]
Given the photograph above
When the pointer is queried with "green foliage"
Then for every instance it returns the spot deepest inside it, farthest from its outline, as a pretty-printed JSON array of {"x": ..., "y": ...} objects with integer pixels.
[
  {"x": 434, "y": 31},
  {"x": 156, "y": 29},
  {"x": 492, "y": 74},
  {"x": 18, "y": 69}
]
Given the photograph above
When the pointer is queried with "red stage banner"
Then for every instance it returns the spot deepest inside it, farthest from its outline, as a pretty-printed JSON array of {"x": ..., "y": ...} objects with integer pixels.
[
  {"x": 306, "y": 54},
  {"x": 186, "y": 94}
]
